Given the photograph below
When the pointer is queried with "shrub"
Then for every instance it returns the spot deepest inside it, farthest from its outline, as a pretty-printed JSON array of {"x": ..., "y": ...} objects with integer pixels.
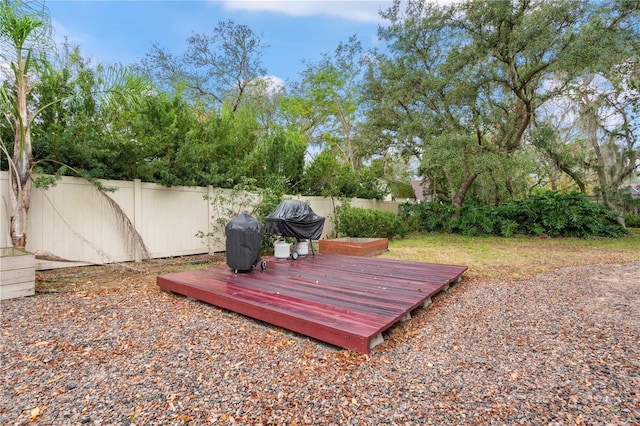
[
  {"x": 432, "y": 216},
  {"x": 632, "y": 220},
  {"x": 556, "y": 214},
  {"x": 475, "y": 220},
  {"x": 545, "y": 213},
  {"x": 364, "y": 223}
]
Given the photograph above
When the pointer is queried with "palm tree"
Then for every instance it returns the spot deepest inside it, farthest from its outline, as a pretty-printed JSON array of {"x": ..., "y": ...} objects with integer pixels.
[{"x": 24, "y": 30}]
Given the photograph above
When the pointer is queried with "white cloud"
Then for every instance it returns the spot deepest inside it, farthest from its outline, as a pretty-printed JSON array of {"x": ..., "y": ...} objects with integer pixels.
[
  {"x": 355, "y": 10},
  {"x": 274, "y": 84},
  {"x": 267, "y": 85}
]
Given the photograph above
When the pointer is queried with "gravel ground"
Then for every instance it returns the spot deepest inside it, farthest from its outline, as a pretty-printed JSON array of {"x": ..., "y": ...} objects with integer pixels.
[{"x": 562, "y": 348}]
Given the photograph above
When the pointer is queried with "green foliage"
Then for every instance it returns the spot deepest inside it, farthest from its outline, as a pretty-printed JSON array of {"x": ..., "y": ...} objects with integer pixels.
[
  {"x": 159, "y": 139},
  {"x": 432, "y": 216},
  {"x": 556, "y": 214},
  {"x": 475, "y": 220},
  {"x": 278, "y": 161},
  {"x": 321, "y": 175},
  {"x": 68, "y": 130},
  {"x": 631, "y": 204},
  {"x": 505, "y": 177},
  {"x": 220, "y": 68},
  {"x": 104, "y": 123},
  {"x": 216, "y": 150},
  {"x": 460, "y": 86},
  {"x": 229, "y": 203},
  {"x": 445, "y": 91},
  {"x": 442, "y": 157},
  {"x": 364, "y": 223},
  {"x": 327, "y": 177},
  {"x": 632, "y": 220},
  {"x": 328, "y": 98},
  {"x": 548, "y": 213},
  {"x": 401, "y": 190},
  {"x": 369, "y": 186}
]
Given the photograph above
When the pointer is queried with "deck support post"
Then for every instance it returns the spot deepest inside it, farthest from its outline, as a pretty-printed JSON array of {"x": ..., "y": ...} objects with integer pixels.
[{"x": 376, "y": 341}]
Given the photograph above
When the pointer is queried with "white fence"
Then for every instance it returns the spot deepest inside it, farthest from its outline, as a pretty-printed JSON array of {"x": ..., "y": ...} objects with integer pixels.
[{"x": 73, "y": 221}]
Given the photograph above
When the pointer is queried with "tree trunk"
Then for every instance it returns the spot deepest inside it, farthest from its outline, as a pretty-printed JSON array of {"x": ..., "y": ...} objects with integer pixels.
[
  {"x": 19, "y": 213},
  {"x": 347, "y": 152},
  {"x": 22, "y": 161},
  {"x": 458, "y": 199},
  {"x": 592, "y": 134}
]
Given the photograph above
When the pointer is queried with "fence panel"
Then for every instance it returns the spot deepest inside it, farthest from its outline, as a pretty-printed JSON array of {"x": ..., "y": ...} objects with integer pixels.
[
  {"x": 170, "y": 218},
  {"x": 73, "y": 221}
]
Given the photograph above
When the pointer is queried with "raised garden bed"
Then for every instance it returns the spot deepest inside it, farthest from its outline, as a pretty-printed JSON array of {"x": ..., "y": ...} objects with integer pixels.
[
  {"x": 354, "y": 246},
  {"x": 17, "y": 273}
]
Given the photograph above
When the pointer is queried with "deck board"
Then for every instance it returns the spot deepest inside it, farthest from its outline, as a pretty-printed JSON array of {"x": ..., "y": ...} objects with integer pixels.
[{"x": 342, "y": 300}]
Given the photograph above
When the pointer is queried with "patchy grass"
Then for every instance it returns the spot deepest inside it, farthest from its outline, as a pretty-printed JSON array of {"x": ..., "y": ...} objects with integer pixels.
[{"x": 514, "y": 258}]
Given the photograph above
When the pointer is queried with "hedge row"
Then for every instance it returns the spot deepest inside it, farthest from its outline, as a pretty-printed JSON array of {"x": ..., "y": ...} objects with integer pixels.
[
  {"x": 549, "y": 213},
  {"x": 365, "y": 223}
]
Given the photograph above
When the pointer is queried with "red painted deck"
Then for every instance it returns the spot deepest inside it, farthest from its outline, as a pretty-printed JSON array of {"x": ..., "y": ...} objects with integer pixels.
[{"x": 342, "y": 300}]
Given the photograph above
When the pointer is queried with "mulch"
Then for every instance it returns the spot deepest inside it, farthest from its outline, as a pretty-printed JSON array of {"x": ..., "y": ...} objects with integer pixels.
[{"x": 560, "y": 348}]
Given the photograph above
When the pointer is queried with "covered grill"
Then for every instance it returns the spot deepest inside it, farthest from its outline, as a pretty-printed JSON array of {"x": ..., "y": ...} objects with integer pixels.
[
  {"x": 244, "y": 238},
  {"x": 294, "y": 218}
]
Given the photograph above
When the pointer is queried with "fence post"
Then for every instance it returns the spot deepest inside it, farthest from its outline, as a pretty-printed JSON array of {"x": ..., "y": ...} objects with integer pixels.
[
  {"x": 137, "y": 214},
  {"x": 209, "y": 216}
]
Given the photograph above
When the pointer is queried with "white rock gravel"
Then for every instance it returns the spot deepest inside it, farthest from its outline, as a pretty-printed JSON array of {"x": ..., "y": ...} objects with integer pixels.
[{"x": 562, "y": 348}]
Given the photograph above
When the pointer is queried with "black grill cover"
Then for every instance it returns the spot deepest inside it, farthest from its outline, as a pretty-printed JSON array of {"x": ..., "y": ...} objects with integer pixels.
[
  {"x": 244, "y": 238},
  {"x": 294, "y": 218}
]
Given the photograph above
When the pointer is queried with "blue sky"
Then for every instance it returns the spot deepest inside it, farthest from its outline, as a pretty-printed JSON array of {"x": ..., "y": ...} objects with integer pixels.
[{"x": 123, "y": 31}]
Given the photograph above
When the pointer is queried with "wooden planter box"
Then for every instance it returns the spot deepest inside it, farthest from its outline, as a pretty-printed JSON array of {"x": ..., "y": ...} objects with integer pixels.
[
  {"x": 354, "y": 246},
  {"x": 17, "y": 273}
]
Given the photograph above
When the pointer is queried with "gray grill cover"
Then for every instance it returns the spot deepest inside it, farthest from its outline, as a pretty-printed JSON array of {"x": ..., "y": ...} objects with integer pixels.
[
  {"x": 294, "y": 218},
  {"x": 244, "y": 238}
]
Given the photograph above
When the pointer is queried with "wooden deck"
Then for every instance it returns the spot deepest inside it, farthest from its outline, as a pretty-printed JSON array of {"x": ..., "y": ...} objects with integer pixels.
[{"x": 347, "y": 301}]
